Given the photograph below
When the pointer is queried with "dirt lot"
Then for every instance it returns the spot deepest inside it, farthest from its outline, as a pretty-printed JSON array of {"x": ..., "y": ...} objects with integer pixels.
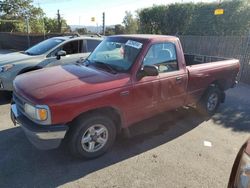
[{"x": 165, "y": 151}]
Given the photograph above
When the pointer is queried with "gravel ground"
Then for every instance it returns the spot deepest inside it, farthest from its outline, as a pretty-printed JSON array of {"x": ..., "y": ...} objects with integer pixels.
[{"x": 165, "y": 151}]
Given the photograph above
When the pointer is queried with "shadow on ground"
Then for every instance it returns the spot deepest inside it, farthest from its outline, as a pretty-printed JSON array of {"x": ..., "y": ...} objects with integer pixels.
[
  {"x": 21, "y": 165},
  {"x": 235, "y": 113},
  {"x": 5, "y": 97},
  {"x": 24, "y": 166}
]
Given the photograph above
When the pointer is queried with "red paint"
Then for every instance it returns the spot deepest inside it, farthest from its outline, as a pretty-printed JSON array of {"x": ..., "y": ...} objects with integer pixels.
[
  {"x": 72, "y": 90},
  {"x": 247, "y": 150}
]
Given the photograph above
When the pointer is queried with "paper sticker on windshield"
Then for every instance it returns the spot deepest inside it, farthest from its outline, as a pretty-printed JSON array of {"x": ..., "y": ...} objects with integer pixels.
[{"x": 134, "y": 44}]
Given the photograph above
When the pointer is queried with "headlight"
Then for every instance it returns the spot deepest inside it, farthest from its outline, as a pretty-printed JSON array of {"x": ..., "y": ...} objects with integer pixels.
[
  {"x": 243, "y": 173},
  {"x": 5, "y": 68},
  {"x": 39, "y": 112}
]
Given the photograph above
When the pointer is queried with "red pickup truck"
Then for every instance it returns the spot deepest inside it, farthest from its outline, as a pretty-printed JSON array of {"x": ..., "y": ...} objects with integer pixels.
[{"x": 126, "y": 79}]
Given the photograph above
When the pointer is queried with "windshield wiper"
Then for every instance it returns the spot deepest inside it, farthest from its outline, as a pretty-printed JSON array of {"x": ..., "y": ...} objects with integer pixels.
[
  {"x": 105, "y": 65},
  {"x": 86, "y": 62}
]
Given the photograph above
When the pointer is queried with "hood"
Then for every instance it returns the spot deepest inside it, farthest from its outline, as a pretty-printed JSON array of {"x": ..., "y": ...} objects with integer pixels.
[
  {"x": 15, "y": 57},
  {"x": 60, "y": 83}
]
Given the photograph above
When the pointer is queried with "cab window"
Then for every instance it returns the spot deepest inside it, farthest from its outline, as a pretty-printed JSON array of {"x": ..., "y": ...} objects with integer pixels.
[{"x": 163, "y": 56}]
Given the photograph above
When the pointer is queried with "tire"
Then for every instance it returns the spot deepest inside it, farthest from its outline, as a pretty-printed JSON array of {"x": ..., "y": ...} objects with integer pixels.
[
  {"x": 210, "y": 102},
  {"x": 83, "y": 130}
]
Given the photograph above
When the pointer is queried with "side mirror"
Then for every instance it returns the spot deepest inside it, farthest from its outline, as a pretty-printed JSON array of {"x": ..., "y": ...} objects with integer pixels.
[
  {"x": 60, "y": 53},
  {"x": 147, "y": 70}
]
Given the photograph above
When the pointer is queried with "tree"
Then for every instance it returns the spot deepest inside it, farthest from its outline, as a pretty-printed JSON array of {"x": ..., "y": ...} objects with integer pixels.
[
  {"x": 51, "y": 25},
  {"x": 151, "y": 20},
  {"x": 131, "y": 24},
  {"x": 15, "y": 12},
  {"x": 82, "y": 31},
  {"x": 119, "y": 29},
  {"x": 109, "y": 31},
  {"x": 196, "y": 19},
  {"x": 13, "y": 15}
]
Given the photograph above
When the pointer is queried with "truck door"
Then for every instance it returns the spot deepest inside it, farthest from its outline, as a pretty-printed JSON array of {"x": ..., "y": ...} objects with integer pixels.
[
  {"x": 172, "y": 78},
  {"x": 144, "y": 94},
  {"x": 144, "y": 99}
]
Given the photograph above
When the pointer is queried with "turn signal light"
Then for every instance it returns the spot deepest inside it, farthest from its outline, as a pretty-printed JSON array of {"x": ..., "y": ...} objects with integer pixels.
[{"x": 42, "y": 114}]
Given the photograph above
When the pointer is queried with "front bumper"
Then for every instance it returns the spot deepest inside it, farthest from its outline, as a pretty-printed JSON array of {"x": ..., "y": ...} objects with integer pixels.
[{"x": 44, "y": 137}]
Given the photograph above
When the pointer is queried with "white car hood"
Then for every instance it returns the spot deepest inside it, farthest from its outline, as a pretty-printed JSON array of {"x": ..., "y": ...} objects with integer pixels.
[{"x": 16, "y": 57}]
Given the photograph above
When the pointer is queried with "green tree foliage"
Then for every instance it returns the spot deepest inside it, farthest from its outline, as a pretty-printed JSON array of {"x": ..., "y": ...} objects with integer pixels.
[
  {"x": 82, "y": 31},
  {"x": 109, "y": 31},
  {"x": 119, "y": 29},
  {"x": 13, "y": 15},
  {"x": 116, "y": 30},
  {"x": 196, "y": 19},
  {"x": 14, "y": 12},
  {"x": 51, "y": 25},
  {"x": 131, "y": 23}
]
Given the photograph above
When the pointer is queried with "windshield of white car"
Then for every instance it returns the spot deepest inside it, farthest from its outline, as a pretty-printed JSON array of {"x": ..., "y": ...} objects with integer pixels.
[
  {"x": 117, "y": 52},
  {"x": 43, "y": 46}
]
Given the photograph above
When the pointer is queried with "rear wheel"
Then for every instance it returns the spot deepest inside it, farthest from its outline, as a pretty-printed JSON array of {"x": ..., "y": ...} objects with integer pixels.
[
  {"x": 92, "y": 136},
  {"x": 210, "y": 101}
]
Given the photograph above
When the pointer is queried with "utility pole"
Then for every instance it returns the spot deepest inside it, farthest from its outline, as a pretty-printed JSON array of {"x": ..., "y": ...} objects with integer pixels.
[
  {"x": 59, "y": 22},
  {"x": 28, "y": 30},
  {"x": 103, "y": 23},
  {"x": 43, "y": 29}
]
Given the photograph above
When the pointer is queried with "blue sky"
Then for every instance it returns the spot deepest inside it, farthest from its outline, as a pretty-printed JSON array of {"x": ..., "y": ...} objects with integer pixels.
[{"x": 80, "y": 11}]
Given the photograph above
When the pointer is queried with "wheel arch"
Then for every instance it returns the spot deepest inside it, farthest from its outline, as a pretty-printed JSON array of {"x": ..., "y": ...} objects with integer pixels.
[
  {"x": 113, "y": 113},
  {"x": 218, "y": 84}
]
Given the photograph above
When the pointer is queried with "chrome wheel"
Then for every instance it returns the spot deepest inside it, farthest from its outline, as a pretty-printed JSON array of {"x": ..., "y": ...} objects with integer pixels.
[
  {"x": 212, "y": 101},
  {"x": 94, "y": 138}
]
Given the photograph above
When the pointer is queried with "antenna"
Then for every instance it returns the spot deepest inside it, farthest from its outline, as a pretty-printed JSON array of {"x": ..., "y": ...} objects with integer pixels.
[{"x": 103, "y": 23}]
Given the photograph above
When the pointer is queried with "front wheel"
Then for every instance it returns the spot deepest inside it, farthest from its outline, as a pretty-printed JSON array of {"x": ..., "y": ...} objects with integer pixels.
[
  {"x": 92, "y": 136},
  {"x": 210, "y": 101}
]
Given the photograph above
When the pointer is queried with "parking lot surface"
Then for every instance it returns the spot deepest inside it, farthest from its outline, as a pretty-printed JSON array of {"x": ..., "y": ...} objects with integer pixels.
[
  {"x": 175, "y": 149},
  {"x": 165, "y": 151}
]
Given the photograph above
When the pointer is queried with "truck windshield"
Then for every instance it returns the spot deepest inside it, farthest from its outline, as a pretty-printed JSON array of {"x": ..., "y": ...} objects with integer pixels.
[
  {"x": 43, "y": 46},
  {"x": 117, "y": 52}
]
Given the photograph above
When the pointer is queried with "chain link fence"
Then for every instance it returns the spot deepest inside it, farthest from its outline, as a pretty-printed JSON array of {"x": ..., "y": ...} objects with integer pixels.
[
  {"x": 19, "y": 41},
  {"x": 225, "y": 46}
]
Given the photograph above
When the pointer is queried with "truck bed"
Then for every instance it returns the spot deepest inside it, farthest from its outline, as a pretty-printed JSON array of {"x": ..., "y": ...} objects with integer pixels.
[
  {"x": 204, "y": 70},
  {"x": 193, "y": 59}
]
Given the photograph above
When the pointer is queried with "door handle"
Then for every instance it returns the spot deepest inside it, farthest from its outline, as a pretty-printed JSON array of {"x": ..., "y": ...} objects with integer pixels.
[
  {"x": 178, "y": 79},
  {"x": 124, "y": 93}
]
